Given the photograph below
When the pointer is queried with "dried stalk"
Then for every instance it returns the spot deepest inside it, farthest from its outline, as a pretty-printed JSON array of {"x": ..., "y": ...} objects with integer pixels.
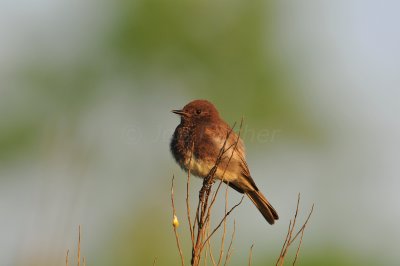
[
  {"x": 289, "y": 240},
  {"x": 251, "y": 254},
  {"x": 221, "y": 249},
  {"x": 175, "y": 223},
  {"x": 66, "y": 258},
  {"x": 79, "y": 245},
  {"x": 229, "y": 252}
]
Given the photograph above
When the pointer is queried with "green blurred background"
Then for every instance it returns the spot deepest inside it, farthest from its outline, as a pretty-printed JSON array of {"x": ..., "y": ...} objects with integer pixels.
[{"x": 85, "y": 98}]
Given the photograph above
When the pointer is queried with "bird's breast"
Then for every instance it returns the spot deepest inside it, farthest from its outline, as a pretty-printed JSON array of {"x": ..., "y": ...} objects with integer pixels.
[
  {"x": 228, "y": 172},
  {"x": 197, "y": 167}
]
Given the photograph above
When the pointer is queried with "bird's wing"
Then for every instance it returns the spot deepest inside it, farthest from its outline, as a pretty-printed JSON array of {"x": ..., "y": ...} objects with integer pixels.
[
  {"x": 246, "y": 172},
  {"x": 240, "y": 157}
]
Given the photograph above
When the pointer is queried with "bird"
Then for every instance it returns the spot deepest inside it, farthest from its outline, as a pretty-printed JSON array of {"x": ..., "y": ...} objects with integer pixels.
[{"x": 196, "y": 144}]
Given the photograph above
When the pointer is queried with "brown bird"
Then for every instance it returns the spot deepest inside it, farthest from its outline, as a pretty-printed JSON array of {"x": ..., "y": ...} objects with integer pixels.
[{"x": 203, "y": 131}]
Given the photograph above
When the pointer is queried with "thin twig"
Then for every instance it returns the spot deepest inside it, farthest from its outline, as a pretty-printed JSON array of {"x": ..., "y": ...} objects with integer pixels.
[
  {"x": 222, "y": 220},
  {"x": 251, "y": 254},
  {"x": 304, "y": 225},
  {"x": 221, "y": 250},
  {"x": 188, "y": 197},
  {"x": 295, "y": 217},
  {"x": 66, "y": 258},
  {"x": 302, "y": 234},
  {"x": 286, "y": 240},
  {"x": 286, "y": 244},
  {"x": 211, "y": 254},
  {"x": 155, "y": 261},
  {"x": 229, "y": 251},
  {"x": 176, "y": 223},
  {"x": 79, "y": 245},
  {"x": 289, "y": 239},
  {"x": 209, "y": 247},
  {"x": 205, "y": 253},
  {"x": 298, "y": 247}
]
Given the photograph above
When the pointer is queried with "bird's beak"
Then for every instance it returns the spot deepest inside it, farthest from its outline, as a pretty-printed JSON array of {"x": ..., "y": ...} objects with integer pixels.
[{"x": 180, "y": 112}]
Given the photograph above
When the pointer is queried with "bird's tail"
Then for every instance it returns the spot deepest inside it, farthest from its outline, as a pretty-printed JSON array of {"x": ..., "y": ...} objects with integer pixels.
[{"x": 263, "y": 206}]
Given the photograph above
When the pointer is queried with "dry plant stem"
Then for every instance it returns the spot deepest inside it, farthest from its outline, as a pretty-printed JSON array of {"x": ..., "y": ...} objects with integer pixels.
[
  {"x": 66, "y": 258},
  {"x": 211, "y": 254},
  {"x": 251, "y": 254},
  {"x": 229, "y": 252},
  {"x": 221, "y": 249},
  {"x": 191, "y": 228},
  {"x": 290, "y": 230},
  {"x": 304, "y": 225},
  {"x": 79, "y": 245},
  {"x": 302, "y": 234},
  {"x": 289, "y": 240},
  {"x": 283, "y": 250},
  {"x": 155, "y": 261},
  {"x": 205, "y": 252},
  {"x": 78, "y": 251},
  {"x": 173, "y": 216},
  {"x": 209, "y": 247},
  {"x": 223, "y": 219},
  {"x": 298, "y": 247},
  {"x": 285, "y": 246}
]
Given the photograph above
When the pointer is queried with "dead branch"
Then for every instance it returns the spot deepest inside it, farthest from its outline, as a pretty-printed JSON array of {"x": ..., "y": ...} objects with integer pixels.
[
  {"x": 79, "y": 245},
  {"x": 79, "y": 257},
  {"x": 221, "y": 249},
  {"x": 223, "y": 219},
  {"x": 289, "y": 239},
  {"x": 298, "y": 247},
  {"x": 210, "y": 248},
  {"x": 191, "y": 228},
  {"x": 229, "y": 252},
  {"x": 175, "y": 222},
  {"x": 251, "y": 254},
  {"x": 66, "y": 258}
]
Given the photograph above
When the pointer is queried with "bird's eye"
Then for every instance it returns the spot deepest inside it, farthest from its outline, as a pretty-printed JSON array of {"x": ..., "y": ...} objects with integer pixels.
[{"x": 198, "y": 111}]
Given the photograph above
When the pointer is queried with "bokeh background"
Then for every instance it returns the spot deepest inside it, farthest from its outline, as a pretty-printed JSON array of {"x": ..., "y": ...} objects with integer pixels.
[{"x": 85, "y": 97}]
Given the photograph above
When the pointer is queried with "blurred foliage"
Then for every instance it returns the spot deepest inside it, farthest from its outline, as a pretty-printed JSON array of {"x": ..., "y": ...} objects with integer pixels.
[
  {"x": 139, "y": 239},
  {"x": 47, "y": 95},
  {"x": 328, "y": 257},
  {"x": 221, "y": 50},
  {"x": 67, "y": 90},
  {"x": 16, "y": 139}
]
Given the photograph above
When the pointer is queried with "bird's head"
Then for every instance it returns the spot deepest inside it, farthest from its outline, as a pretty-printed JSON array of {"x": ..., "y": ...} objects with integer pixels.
[{"x": 198, "y": 111}]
